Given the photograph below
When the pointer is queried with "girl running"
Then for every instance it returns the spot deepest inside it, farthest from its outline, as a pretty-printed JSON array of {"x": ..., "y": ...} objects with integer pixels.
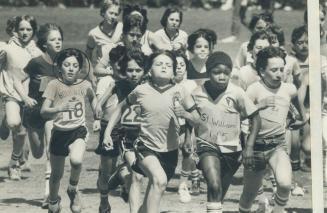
[
  {"x": 19, "y": 51},
  {"x": 40, "y": 71},
  {"x": 157, "y": 149},
  {"x": 64, "y": 102},
  {"x": 200, "y": 44},
  {"x": 222, "y": 106},
  {"x": 273, "y": 98},
  {"x": 171, "y": 35},
  {"x": 110, "y": 94}
]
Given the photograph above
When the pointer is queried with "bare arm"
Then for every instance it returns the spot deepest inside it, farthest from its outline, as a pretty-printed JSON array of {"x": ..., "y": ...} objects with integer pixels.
[{"x": 18, "y": 86}]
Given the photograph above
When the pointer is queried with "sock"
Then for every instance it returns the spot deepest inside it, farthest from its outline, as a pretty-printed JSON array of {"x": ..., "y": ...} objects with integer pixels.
[
  {"x": 195, "y": 175},
  {"x": 214, "y": 207},
  {"x": 14, "y": 160},
  {"x": 280, "y": 203},
  {"x": 184, "y": 178},
  {"x": 54, "y": 204},
  {"x": 72, "y": 185}
]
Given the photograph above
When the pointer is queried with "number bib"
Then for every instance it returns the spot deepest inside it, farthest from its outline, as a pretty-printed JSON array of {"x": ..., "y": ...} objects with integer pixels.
[
  {"x": 75, "y": 114},
  {"x": 132, "y": 115}
]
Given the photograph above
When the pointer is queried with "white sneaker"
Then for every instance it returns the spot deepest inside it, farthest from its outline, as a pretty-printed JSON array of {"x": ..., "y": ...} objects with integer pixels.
[
  {"x": 229, "y": 39},
  {"x": 184, "y": 194},
  {"x": 288, "y": 8},
  {"x": 227, "y": 5},
  {"x": 263, "y": 205},
  {"x": 277, "y": 5},
  {"x": 297, "y": 190},
  {"x": 14, "y": 173}
]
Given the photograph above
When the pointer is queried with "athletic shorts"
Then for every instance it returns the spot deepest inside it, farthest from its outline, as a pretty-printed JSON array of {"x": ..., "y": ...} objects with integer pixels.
[
  {"x": 264, "y": 148},
  {"x": 168, "y": 160},
  {"x": 32, "y": 117},
  {"x": 229, "y": 161},
  {"x": 116, "y": 139},
  {"x": 60, "y": 140}
]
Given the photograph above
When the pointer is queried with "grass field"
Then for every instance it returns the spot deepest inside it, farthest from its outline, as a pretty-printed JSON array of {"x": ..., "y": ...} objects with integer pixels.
[{"x": 26, "y": 195}]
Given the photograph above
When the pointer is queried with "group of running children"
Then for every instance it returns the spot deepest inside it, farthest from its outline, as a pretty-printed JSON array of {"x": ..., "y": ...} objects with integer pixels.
[{"x": 153, "y": 93}]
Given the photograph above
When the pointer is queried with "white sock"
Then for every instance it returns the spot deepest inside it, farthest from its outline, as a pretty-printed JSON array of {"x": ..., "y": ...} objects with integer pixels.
[{"x": 214, "y": 207}]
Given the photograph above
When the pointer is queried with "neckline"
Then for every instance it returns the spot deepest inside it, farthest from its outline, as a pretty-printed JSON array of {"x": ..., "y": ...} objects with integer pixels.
[
  {"x": 161, "y": 90},
  {"x": 109, "y": 35}
]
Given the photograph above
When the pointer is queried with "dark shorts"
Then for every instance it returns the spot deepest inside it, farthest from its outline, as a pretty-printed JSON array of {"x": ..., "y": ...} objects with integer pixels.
[
  {"x": 264, "y": 148},
  {"x": 168, "y": 160},
  {"x": 32, "y": 117},
  {"x": 230, "y": 162},
  {"x": 60, "y": 140},
  {"x": 116, "y": 138}
]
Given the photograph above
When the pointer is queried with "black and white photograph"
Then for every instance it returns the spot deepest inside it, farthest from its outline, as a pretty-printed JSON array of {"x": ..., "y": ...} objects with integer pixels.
[{"x": 157, "y": 106}]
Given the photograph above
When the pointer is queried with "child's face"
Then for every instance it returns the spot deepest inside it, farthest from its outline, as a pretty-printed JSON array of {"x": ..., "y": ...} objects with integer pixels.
[
  {"x": 181, "y": 66},
  {"x": 201, "y": 48},
  {"x": 25, "y": 32},
  {"x": 70, "y": 68},
  {"x": 274, "y": 71},
  {"x": 260, "y": 26},
  {"x": 301, "y": 45},
  {"x": 54, "y": 42},
  {"x": 173, "y": 21},
  {"x": 133, "y": 36},
  {"x": 219, "y": 75},
  {"x": 162, "y": 68},
  {"x": 111, "y": 15},
  {"x": 259, "y": 45},
  {"x": 134, "y": 72}
]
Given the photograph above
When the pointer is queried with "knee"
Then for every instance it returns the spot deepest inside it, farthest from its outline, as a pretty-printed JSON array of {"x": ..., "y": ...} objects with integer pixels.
[
  {"x": 14, "y": 124},
  {"x": 284, "y": 185},
  {"x": 160, "y": 182},
  {"x": 76, "y": 163}
]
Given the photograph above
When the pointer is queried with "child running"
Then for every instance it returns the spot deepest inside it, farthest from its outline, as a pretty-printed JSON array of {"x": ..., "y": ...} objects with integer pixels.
[
  {"x": 222, "y": 106},
  {"x": 273, "y": 98},
  {"x": 64, "y": 102},
  {"x": 110, "y": 94},
  {"x": 157, "y": 149}
]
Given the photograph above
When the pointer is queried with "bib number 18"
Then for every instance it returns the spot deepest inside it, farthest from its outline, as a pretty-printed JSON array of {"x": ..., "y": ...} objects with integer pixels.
[{"x": 74, "y": 114}]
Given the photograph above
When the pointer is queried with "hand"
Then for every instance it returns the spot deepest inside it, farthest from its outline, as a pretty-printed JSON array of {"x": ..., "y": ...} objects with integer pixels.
[
  {"x": 187, "y": 147},
  {"x": 180, "y": 111},
  {"x": 107, "y": 143},
  {"x": 67, "y": 107},
  {"x": 96, "y": 125},
  {"x": 267, "y": 102},
  {"x": 248, "y": 157},
  {"x": 30, "y": 102},
  {"x": 177, "y": 46},
  {"x": 297, "y": 124}
]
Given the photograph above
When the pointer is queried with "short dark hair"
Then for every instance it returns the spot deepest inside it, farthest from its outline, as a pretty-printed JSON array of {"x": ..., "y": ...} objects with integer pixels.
[
  {"x": 29, "y": 19},
  {"x": 131, "y": 21},
  {"x": 181, "y": 53},
  {"x": 154, "y": 55},
  {"x": 43, "y": 33},
  {"x": 167, "y": 13},
  {"x": 256, "y": 36},
  {"x": 207, "y": 34},
  {"x": 66, "y": 53},
  {"x": 106, "y": 5},
  {"x": 298, "y": 32},
  {"x": 129, "y": 8},
  {"x": 267, "y": 17},
  {"x": 278, "y": 31},
  {"x": 132, "y": 54},
  {"x": 265, "y": 54}
]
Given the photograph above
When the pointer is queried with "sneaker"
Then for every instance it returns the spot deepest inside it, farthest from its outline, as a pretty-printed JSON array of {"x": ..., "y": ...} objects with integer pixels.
[
  {"x": 227, "y": 6},
  {"x": 229, "y": 39},
  {"x": 207, "y": 6},
  {"x": 277, "y": 5},
  {"x": 297, "y": 190},
  {"x": 25, "y": 167},
  {"x": 288, "y": 8},
  {"x": 115, "y": 179},
  {"x": 75, "y": 201},
  {"x": 56, "y": 208},
  {"x": 184, "y": 194},
  {"x": 14, "y": 173},
  {"x": 45, "y": 203},
  {"x": 195, "y": 187},
  {"x": 263, "y": 205},
  {"x": 4, "y": 130}
]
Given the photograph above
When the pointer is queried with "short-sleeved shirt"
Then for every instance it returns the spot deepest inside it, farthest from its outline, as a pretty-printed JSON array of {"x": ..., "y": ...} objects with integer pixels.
[
  {"x": 168, "y": 42},
  {"x": 273, "y": 119},
  {"x": 243, "y": 55},
  {"x": 193, "y": 74},
  {"x": 291, "y": 69},
  {"x": 41, "y": 73},
  {"x": 97, "y": 38},
  {"x": 247, "y": 76},
  {"x": 145, "y": 42},
  {"x": 221, "y": 118},
  {"x": 60, "y": 93},
  {"x": 160, "y": 128}
]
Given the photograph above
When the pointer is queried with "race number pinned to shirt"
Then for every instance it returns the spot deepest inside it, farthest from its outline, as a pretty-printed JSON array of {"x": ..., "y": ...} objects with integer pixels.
[
  {"x": 75, "y": 114},
  {"x": 132, "y": 115},
  {"x": 278, "y": 112}
]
